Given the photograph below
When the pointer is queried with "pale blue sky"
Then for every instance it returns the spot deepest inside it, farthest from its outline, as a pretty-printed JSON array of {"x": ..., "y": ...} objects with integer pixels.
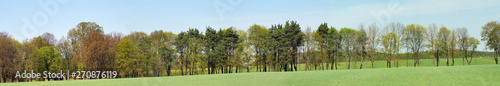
[{"x": 148, "y": 15}]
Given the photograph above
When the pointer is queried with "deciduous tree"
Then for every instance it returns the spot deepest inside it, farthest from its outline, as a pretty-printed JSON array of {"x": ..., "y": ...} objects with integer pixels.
[
  {"x": 373, "y": 36},
  {"x": 333, "y": 46},
  {"x": 48, "y": 59},
  {"x": 463, "y": 42},
  {"x": 8, "y": 57},
  {"x": 96, "y": 53},
  {"x": 257, "y": 38},
  {"x": 472, "y": 46},
  {"x": 321, "y": 39},
  {"x": 348, "y": 39},
  {"x": 125, "y": 58},
  {"x": 491, "y": 35},
  {"x": 444, "y": 36},
  {"x": 413, "y": 36},
  {"x": 432, "y": 39}
]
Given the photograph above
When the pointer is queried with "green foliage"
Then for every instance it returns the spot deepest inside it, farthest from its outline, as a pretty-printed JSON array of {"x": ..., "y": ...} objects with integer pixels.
[
  {"x": 333, "y": 45},
  {"x": 390, "y": 43},
  {"x": 258, "y": 36},
  {"x": 295, "y": 36},
  {"x": 244, "y": 50},
  {"x": 82, "y": 30},
  {"x": 143, "y": 52},
  {"x": 413, "y": 38},
  {"x": 126, "y": 58},
  {"x": 320, "y": 36},
  {"x": 9, "y": 60},
  {"x": 360, "y": 45},
  {"x": 211, "y": 39},
  {"x": 490, "y": 34},
  {"x": 323, "y": 30},
  {"x": 348, "y": 39},
  {"x": 162, "y": 51},
  {"x": 189, "y": 45},
  {"x": 444, "y": 39},
  {"x": 77, "y": 34},
  {"x": 75, "y": 39},
  {"x": 48, "y": 59},
  {"x": 279, "y": 48}
]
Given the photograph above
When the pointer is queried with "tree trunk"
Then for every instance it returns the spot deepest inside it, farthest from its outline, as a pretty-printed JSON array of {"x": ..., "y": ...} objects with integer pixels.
[
  {"x": 362, "y": 59},
  {"x": 471, "y": 56},
  {"x": 333, "y": 63},
  {"x": 437, "y": 60},
  {"x": 463, "y": 60},
  {"x": 327, "y": 65},
  {"x": 465, "y": 57},
  {"x": 307, "y": 65},
  {"x": 452, "y": 59},
  {"x": 209, "y": 69},
  {"x": 265, "y": 68},
  {"x": 447, "y": 59},
  {"x": 397, "y": 63},
  {"x": 349, "y": 63},
  {"x": 373, "y": 65},
  {"x": 361, "y": 66},
  {"x": 355, "y": 63},
  {"x": 469, "y": 61},
  {"x": 295, "y": 61},
  {"x": 212, "y": 69},
  {"x": 230, "y": 68},
  {"x": 331, "y": 67},
  {"x": 257, "y": 70},
  {"x": 182, "y": 70},
  {"x": 322, "y": 65},
  {"x": 388, "y": 63},
  {"x": 415, "y": 60},
  {"x": 407, "y": 58},
  {"x": 496, "y": 58},
  {"x": 373, "y": 59},
  {"x": 168, "y": 70},
  {"x": 186, "y": 68},
  {"x": 336, "y": 65}
]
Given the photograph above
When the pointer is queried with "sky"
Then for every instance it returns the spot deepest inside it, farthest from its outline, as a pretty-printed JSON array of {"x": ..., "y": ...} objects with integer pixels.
[{"x": 25, "y": 19}]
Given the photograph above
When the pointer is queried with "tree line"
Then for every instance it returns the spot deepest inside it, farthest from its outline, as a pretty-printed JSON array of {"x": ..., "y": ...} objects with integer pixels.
[{"x": 280, "y": 47}]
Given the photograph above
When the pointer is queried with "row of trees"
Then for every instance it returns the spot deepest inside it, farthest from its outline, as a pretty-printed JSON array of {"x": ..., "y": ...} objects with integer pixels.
[{"x": 280, "y": 47}]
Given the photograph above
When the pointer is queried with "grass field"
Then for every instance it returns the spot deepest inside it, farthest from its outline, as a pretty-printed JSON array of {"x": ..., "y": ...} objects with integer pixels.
[
  {"x": 382, "y": 64},
  {"x": 474, "y": 75}
]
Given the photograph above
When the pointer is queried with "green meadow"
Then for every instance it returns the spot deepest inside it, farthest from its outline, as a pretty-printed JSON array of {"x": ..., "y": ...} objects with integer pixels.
[{"x": 482, "y": 71}]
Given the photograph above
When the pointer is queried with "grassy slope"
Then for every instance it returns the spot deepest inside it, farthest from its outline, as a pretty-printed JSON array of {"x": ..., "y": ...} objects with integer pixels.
[
  {"x": 438, "y": 76},
  {"x": 382, "y": 64}
]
